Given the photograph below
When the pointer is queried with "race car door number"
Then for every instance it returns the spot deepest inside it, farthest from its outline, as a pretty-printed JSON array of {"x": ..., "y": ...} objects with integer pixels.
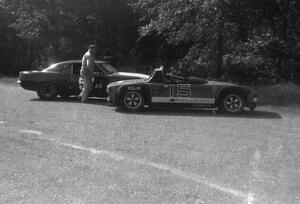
[{"x": 180, "y": 90}]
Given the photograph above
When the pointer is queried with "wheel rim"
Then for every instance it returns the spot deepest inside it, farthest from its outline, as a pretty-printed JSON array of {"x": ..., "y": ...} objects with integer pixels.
[
  {"x": 132, "y": 100},
  {"x": 47, "y": 90},
  {"x": 233, "y": 103}
]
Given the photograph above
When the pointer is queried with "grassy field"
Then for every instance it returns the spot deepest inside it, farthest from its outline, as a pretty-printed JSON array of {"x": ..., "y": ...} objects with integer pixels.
[
  {"x": 9, "y": 80},
  {"x": 63, "y": 151},
  {"x": 281, "y": 94}
]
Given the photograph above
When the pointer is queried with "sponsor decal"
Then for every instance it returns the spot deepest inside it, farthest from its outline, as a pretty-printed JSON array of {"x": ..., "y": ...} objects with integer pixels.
[
  {"x": 134, "y": 88},
  {"x": 183, "y": 100}
]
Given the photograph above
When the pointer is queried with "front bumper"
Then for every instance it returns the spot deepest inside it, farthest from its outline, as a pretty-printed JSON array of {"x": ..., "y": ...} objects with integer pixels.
[{"x": 111, "y": 98}]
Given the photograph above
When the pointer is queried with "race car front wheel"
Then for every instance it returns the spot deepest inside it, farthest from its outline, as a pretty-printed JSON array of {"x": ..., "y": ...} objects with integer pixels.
[
  {"x": 132, "y": 101},
  {"x": 232, "y": 103},
  {"x": 47, "y": 91}
]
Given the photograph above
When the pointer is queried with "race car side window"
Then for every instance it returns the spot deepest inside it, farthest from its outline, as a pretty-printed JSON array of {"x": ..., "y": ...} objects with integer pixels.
[
  {"x": 197, "y": 80},
  {"x": 173, "y": 79}
]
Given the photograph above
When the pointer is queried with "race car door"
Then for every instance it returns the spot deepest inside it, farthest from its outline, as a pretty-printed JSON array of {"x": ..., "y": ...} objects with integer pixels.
[
  {"x": 174, "y": 89},
  {"x": 160, "y": 89},
  {"x": 191, "y": 90},
  {"x": 191, "y": 93}
]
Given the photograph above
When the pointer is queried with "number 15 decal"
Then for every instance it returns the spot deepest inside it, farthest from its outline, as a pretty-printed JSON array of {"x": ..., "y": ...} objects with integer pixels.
[{"x": 180, "y": 90}]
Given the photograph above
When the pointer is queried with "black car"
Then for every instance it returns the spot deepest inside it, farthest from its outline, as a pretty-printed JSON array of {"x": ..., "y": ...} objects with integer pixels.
[{"x": 63, "y": 78}]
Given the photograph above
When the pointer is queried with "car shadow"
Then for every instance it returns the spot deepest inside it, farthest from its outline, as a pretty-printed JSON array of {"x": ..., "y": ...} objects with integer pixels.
[
  {"x": 92, "y": 101},
  {"x": 203, "y": 113},
  {"x": 172, "y": 111}
]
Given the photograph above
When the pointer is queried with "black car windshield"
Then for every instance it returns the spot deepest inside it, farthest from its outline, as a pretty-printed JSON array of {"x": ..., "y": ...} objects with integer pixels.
[
  {"x": 55, "y": 67},
  {"x": 108, "y": 69}
]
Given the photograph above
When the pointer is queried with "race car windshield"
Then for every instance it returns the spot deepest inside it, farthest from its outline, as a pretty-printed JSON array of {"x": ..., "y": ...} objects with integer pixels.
[
  {"x": 151, "y": 75},
  {"x": 107, "y": 68}
]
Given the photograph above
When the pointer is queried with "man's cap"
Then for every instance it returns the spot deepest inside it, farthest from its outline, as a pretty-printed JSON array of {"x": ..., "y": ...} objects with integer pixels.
[{"x": 92, "y": 46}]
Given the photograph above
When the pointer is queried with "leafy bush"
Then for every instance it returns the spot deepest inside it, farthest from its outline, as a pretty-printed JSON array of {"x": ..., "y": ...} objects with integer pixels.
[{"x": 279, "y": 94}]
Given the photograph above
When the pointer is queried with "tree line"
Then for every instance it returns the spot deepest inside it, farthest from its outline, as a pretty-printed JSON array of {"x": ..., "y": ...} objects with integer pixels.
[{"x": 251, "y": 41}]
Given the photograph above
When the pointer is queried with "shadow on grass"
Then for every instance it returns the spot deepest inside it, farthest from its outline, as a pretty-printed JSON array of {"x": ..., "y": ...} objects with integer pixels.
[
  {"x": 172, "y": 111},
  {"x": 203, "y": 113},
  {"x": 92, "y": 101}
]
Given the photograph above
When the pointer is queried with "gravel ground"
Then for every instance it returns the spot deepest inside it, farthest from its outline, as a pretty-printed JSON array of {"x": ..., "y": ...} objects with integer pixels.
[{"x": 64, "y": 151}]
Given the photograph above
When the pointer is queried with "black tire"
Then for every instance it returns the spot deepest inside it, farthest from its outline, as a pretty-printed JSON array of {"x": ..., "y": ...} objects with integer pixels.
[
  {"x": 132, "y": 101},
  {"x": 47, "y": 91},
  {"x": 231, "y": 103}
]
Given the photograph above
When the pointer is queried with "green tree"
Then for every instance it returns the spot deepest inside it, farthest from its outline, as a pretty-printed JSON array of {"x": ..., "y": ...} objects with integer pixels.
[
  {"x": 250, "y": 36},
  {"x": 55, "y": 30}
]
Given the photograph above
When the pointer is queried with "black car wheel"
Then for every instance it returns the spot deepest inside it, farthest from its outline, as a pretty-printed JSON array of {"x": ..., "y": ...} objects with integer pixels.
[
  {"x": 232, "y": 103},
  {"x": 47, "y": 91},
  {"x": 132, "y": 101}
]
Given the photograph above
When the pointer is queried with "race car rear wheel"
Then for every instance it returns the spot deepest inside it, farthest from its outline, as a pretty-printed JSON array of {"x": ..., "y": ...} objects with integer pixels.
[
  {"x": 231, "y": 103},
  {"x": 47, "y": 91},
  {"x": 132, "y": 101}
]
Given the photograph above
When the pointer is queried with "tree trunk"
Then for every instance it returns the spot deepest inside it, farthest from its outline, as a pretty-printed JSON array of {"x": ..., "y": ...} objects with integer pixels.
[
  {"x": 96, "y": 4},
  {"x": 219, "y": 45},
  {"x": 54, "y": 21}
]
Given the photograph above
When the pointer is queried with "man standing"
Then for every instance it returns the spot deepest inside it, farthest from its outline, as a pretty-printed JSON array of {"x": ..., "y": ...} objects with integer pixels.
[{"x": 86, "y": 72}]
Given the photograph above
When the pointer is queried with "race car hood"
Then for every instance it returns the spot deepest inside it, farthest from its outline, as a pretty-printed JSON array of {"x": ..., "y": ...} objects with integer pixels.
[
  {"x": 132, "y": 75},
  {"x": 128, "y": 82}
]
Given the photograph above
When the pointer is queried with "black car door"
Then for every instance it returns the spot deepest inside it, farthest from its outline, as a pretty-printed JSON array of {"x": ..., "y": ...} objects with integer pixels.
[
  {"x": 74, "y": 79},
  {"x": 70, "y": 77},
  {"x": 99, "y": 82}
]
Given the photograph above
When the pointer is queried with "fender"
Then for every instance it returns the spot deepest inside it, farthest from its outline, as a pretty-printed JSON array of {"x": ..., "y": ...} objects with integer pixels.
[
  {"x": 221, "y": 92},
  {"x": 144, "y": 89}
]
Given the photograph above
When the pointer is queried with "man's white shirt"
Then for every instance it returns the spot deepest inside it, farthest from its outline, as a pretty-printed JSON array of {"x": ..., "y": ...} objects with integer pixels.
[{"x": 88, "y": 62}]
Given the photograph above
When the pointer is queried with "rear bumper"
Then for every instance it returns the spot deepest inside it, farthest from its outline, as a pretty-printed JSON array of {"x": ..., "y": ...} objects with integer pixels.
[{"x": 252, "y": 101}]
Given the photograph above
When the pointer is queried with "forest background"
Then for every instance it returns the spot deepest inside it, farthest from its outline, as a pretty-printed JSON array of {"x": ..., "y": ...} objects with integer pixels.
[{"x": 246, "y": 41}]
